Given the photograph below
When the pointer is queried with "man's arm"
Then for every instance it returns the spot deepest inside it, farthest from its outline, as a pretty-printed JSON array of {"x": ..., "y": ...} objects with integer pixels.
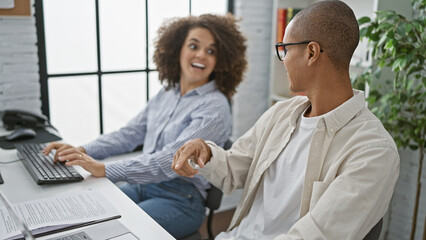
[{"x": 227, "y": 170}]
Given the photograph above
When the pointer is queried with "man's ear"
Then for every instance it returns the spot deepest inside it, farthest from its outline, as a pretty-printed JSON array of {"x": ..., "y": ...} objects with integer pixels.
[{"x": 314, "y": 51}]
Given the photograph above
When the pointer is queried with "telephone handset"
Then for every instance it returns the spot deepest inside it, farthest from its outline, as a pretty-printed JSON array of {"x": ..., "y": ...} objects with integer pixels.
[{"x": 13, "y": 117}]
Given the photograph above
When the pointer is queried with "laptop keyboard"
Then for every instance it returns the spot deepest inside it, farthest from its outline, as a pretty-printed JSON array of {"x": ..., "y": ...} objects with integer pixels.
[{"x": 42, "y": 168}]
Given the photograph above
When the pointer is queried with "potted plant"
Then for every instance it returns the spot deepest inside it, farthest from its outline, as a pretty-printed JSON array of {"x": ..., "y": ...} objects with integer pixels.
[{"x": 400, "y": 103}]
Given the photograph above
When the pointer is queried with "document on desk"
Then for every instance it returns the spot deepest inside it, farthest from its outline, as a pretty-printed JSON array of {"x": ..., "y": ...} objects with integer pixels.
[{"x": 48, "y": 215}]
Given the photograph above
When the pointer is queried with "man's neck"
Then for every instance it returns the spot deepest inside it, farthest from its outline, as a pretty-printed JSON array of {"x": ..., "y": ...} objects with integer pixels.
[{"x": 328, "y": 97}]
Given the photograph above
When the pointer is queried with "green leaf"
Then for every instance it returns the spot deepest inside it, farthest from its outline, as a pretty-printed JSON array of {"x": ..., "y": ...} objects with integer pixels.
[
  {"x": 384, "y": 26},
  {"x": 401, "y": 29},
  {"x": 413, "y": 147},
  {"x": 381, "y": 63},
  {"x": 418, "y": 26},
  {"x": 363, "y": 33},
  {"x": 409, "y": 57},
  {"x": 402, "y": 63},
  {"x": 363, "y": 20},
  {"x": 389, "y": 44},
  {"x": 383, "y": 39},
  {"x": 396, "y": 64},
  {"x": 408, "y": 28},
  {"x": 410, "y": 83},
  {"x": 382, "y": 14}
]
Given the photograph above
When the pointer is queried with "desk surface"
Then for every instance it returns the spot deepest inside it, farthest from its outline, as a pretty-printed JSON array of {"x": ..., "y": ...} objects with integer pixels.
[{"x": 19, "y": 187}]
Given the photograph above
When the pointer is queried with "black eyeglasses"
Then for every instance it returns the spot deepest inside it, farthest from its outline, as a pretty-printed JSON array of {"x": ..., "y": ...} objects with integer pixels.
[{"x": 282, "y": 48}]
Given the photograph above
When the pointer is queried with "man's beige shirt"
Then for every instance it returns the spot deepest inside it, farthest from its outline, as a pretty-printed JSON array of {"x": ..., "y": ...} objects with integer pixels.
[{"x": 351, "y": 172}]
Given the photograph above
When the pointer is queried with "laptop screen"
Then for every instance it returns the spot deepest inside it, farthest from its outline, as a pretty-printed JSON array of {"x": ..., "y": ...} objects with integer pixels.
[{"x": 22, "y": 226}]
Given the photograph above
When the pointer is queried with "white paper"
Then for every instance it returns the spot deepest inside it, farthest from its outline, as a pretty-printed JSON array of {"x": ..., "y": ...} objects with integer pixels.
[
  {"x": 7, "y": 4},
  {"x": 47, "y": 214}
]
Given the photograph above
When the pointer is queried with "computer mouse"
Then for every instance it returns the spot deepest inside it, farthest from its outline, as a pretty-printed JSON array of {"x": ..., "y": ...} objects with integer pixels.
[{"x": 21, "y": 134}]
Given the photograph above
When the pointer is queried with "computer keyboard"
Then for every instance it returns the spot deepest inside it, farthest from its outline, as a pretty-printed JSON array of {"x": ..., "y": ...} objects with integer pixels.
[{"x": 42, "y": 168}]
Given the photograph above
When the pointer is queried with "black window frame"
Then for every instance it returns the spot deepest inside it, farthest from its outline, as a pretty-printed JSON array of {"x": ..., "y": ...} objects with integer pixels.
[{"x": 44, "y": 76}]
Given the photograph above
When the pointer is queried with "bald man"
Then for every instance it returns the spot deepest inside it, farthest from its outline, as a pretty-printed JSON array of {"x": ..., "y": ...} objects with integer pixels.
[{"x": 314, "y": 167}]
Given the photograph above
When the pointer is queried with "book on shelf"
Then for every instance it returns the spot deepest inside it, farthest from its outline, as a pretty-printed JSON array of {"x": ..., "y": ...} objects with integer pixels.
[
  {"x": 281, "y": 23},
  {"x": 56, "y": 214},
  {"x": 284, "y": 16}
]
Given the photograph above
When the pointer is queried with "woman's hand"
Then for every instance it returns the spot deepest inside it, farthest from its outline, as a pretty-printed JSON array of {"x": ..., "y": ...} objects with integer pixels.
[
  {"x": 59, "y": 147},
  {"x": 76, "y": 156}
]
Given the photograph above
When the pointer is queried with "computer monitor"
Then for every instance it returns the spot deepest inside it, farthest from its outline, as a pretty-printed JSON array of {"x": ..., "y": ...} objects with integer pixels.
[{"x": 21, "y": 224}]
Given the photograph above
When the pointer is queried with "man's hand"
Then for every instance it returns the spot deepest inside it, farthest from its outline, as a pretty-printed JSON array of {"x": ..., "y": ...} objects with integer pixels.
[
  {"x": 76, "y": 156},
  {"x": 195, "y": 150}
]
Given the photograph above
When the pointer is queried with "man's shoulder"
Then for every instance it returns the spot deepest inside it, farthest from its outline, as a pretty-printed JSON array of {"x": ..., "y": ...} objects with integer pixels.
[{"x": 365, "y": 127}]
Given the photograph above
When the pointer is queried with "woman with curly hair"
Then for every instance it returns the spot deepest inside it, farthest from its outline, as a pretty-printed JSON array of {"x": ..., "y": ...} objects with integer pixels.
[{"x": 201, "y": 61}]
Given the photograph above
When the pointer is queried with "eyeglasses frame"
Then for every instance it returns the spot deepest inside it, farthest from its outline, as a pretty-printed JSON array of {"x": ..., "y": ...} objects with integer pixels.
[{"x": 284, "y": 45}]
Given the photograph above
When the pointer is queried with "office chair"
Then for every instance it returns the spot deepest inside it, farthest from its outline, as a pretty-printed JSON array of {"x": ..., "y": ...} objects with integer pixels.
[{"x": 374, "y": 233}]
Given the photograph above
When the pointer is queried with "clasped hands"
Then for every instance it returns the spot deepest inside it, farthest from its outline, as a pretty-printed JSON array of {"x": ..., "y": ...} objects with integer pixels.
[
  {"x": 75, "y": 156},
  {"x": 196, "y": 150}
]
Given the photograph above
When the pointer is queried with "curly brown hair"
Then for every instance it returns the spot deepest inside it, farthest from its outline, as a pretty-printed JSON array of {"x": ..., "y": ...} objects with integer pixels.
[{"x": 230, "y": 44}]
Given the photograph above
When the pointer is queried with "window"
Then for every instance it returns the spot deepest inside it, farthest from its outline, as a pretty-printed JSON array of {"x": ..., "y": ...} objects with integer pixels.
[{"x": 96, "y": 68}]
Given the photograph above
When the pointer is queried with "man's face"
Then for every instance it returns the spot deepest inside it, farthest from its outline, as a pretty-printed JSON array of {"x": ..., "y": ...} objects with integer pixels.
[{"x": 294, "y": 62}]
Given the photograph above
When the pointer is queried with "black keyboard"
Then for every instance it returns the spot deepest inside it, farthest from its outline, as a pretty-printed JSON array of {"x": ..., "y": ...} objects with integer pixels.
[{"x": 42, "y": 168}]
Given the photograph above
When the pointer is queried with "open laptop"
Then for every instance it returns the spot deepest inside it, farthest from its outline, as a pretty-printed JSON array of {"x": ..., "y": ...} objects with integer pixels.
[{"x": 105, "y": 230}]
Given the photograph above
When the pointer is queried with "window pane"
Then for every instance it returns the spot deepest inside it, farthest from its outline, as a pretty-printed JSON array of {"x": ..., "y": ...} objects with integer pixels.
[
  {"x": 123, "y": 97},
  {"x": 199, "y": 7},
  {"x": 158, "y": 11},
  {"x": 154, "y": 84},
  {"x": 122, "y": 34},
  {"x": 70, "y": 36},
  {"x": 74, "y": 108}
]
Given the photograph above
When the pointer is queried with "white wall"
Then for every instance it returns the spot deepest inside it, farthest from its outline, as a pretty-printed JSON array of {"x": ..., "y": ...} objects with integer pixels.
[
  {"x": 251, "y": 99},
  {"x": 19, "y": 77}
]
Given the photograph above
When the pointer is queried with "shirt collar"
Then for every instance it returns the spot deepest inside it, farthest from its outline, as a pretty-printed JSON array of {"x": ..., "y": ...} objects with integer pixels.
[
  {"x": 338, "y": 117},
  {"x": 341, "y": 115},
  {"x": 210, "y": 86}
]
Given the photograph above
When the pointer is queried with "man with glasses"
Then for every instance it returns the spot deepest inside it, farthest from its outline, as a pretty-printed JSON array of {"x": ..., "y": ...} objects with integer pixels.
[{"x": 319, "y": 166}]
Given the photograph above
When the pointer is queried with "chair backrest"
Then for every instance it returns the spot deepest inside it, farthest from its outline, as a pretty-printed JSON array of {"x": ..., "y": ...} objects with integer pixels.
[
  {"x": 374, "y": 233},
  {"x": 228, "y": 144},
  {"x": 213, "y": 200}
]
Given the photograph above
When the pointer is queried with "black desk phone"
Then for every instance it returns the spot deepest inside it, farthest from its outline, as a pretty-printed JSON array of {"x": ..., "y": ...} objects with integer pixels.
[{"x": 12, "y": 118}]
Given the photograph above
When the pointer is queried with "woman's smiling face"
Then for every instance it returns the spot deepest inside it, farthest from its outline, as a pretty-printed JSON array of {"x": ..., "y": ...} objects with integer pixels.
[{"x": 197, "y": 57}]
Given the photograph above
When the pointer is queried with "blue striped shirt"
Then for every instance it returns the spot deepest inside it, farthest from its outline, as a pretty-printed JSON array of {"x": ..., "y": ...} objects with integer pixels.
[{"x": 167, "y": 122}]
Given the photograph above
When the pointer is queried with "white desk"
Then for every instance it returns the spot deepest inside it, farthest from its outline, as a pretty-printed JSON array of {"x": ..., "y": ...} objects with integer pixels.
[{"x": 19, "y": 187}]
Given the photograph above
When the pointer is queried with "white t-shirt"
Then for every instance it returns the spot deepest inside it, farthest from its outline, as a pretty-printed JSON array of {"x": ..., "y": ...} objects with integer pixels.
[{"x": 276, "y": 206}]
